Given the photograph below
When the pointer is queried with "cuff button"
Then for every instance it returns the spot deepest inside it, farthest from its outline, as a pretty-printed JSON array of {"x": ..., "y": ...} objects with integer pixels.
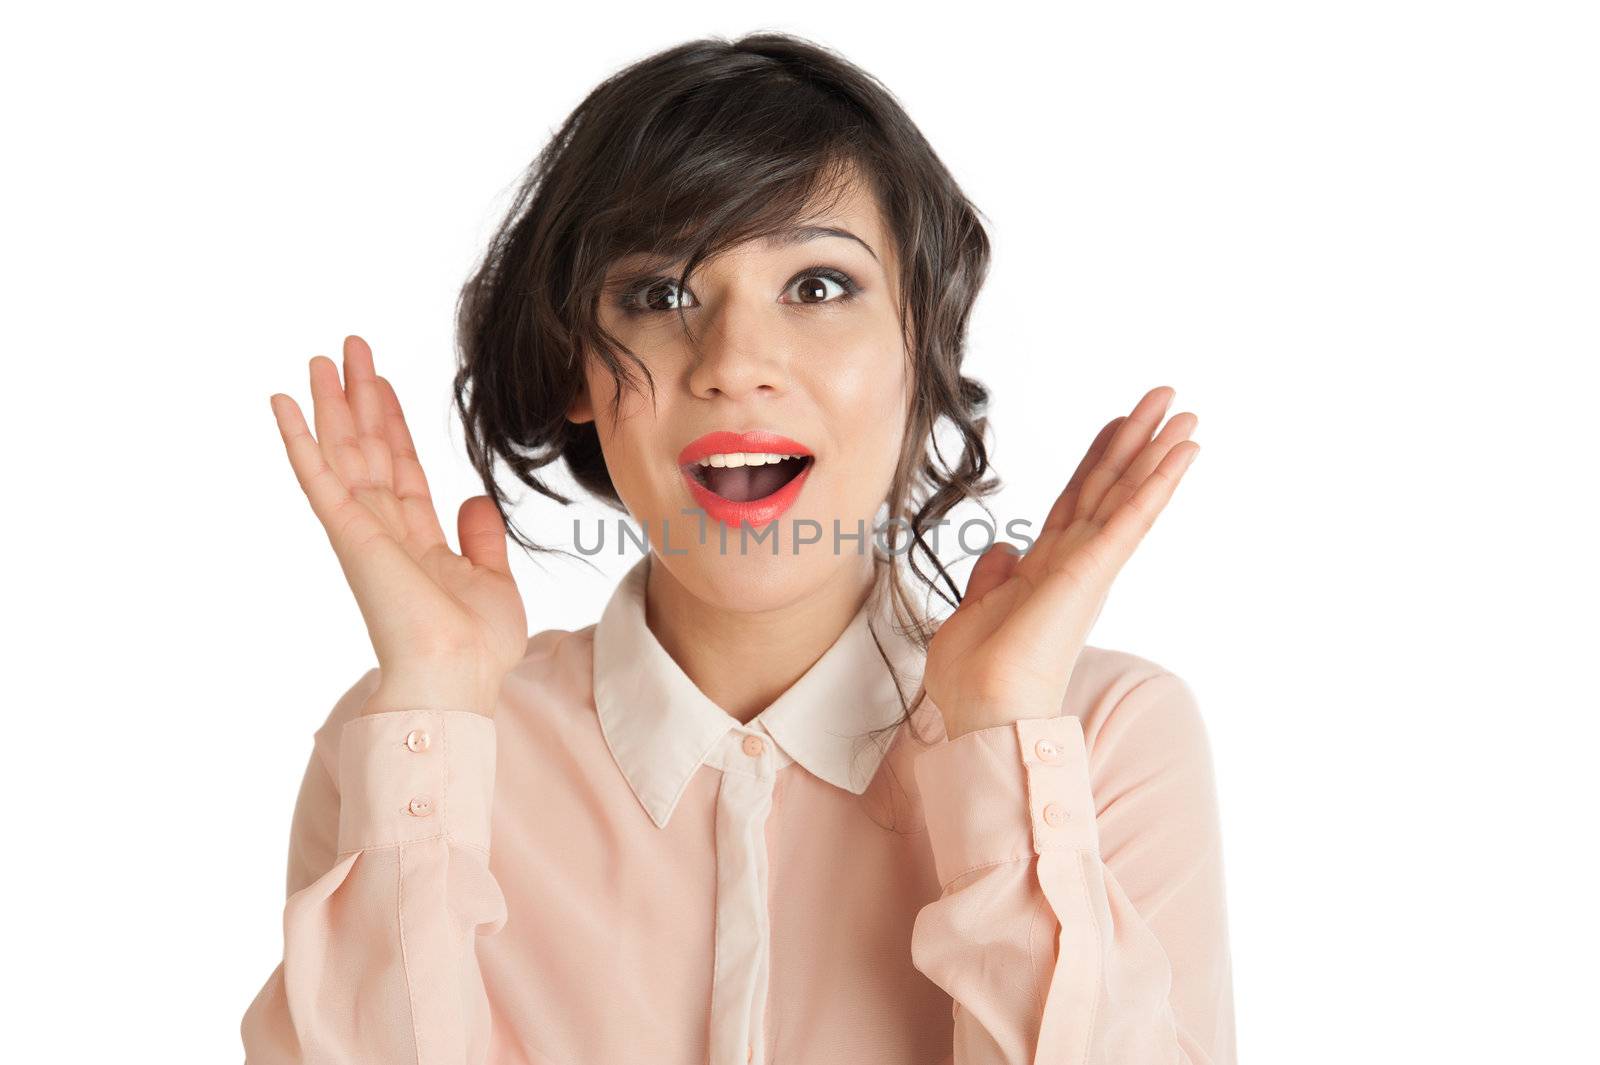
[
  {"x": 417, "y": 740},
  {"x": 1047, "y": 750},
  {"x": 421, "y": 806},
  {"x": 1054, "y": 813}
]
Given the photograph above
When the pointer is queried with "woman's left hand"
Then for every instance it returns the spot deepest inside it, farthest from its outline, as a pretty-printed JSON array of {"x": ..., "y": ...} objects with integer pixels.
[{"x": 1007, "y": 652}]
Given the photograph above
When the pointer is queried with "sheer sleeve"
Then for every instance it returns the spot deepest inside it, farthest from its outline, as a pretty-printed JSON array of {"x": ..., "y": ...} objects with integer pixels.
[
  {"x": 388, "y": 888},
  {"x": 1082, "y": 917}
]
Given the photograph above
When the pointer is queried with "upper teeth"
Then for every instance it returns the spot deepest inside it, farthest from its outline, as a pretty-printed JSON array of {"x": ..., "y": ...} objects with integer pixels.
[{"x": 744, "y": 458}]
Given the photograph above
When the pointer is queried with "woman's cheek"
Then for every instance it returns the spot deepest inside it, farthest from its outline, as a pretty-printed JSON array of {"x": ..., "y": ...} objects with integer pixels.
[{"x": 875, "y": 409}]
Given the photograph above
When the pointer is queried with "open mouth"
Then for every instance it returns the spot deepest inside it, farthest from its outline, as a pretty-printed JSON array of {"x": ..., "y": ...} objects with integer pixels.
[
  {"x": 750, "y": 477},
  {"x": 754, "y": 478}
]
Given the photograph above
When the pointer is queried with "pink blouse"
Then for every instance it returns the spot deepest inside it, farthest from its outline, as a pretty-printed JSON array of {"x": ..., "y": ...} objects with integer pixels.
[{"x": 667, "y": 885}]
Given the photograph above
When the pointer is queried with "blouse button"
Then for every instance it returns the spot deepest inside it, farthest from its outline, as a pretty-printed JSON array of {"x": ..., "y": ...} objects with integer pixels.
[
  {"x": 1054, "y": 813},
  {"x": 421, "y": 806},
  {"x": 417, "y": 740},
  {"x": 753, "y": 746},
  {"x": 1047, "y": 750}
]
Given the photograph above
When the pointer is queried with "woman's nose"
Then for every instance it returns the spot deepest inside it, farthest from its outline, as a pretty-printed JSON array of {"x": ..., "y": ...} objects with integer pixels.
[{"x": 740, "y": 354}]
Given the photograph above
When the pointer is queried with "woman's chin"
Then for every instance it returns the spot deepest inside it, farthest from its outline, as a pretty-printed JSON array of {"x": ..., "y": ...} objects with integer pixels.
[{"x": 757, "y": 578}]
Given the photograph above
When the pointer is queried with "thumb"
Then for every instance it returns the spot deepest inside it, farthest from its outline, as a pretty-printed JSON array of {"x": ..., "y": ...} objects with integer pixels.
[
  {"x": 992, "y": 569},
  {"x": 483, "y": 534}
]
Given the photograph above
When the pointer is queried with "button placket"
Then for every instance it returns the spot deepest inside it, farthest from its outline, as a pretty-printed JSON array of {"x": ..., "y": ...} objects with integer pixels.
[
  {"x": 1053, "y": 759},
  {"x": 399, "y": 783},
  {"x": 742, "y": 940},
  {"x": 418, "y": 741}
]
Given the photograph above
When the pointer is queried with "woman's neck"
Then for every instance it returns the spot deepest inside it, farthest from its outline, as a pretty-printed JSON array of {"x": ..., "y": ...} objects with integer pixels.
[{"x": 744, "y": 660}]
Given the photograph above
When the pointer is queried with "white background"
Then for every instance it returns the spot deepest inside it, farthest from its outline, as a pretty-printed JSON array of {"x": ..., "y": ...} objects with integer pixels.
[{"x": 1359, "y": 239}]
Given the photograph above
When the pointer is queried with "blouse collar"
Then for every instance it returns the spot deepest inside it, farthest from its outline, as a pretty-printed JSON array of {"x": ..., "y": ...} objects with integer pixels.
[{"x": 661, "y": 728}]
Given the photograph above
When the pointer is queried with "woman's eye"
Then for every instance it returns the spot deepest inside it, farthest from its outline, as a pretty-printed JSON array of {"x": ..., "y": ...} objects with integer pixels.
[
  {"x": 821, "y": 286},
  {"x": 661, "y": 294},
  {"x": 818, "y": 284}
]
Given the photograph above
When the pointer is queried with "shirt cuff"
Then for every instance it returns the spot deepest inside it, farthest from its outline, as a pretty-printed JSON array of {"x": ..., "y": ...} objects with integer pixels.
[
  {"x": 1005, "y": 793},
  {"x": 410, "y": 775}
]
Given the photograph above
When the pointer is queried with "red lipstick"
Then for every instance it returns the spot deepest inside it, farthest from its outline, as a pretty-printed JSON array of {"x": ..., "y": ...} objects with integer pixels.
[{"x": 755, "y": 512}]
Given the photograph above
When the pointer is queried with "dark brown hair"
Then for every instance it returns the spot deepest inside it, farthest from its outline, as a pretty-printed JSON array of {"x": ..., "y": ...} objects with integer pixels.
[{"x": 678, "y": 156}]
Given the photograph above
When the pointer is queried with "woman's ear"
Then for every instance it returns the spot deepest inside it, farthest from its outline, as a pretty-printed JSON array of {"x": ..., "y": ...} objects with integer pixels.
[{"x": 581, "y": 409}]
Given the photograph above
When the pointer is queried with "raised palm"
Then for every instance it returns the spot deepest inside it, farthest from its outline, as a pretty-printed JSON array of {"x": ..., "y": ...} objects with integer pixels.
[
  {"x": 1008, "y": 651},
  {"x": 423, "y": 603}
]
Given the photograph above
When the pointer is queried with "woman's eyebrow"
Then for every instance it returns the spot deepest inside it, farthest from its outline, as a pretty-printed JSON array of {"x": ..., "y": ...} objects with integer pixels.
[
  {"x": 800, "y": 234},
  {"x": 644, "y": 262}
]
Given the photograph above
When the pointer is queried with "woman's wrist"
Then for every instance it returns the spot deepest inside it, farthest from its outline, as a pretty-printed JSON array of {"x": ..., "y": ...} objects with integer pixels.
[
  {"x": 974, "y": 717},
  {"x": 435, "y": 686},
  {"x": 955, "y": 728}
]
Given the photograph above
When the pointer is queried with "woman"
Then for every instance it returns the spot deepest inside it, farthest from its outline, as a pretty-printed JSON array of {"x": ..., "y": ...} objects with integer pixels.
[{"x": 762, "y": 810}]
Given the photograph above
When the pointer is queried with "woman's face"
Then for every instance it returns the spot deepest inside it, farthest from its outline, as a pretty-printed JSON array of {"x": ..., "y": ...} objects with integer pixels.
[{"x": 797, "y": 338}]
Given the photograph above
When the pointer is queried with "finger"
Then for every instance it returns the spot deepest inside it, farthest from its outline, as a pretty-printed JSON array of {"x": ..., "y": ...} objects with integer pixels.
[
  {"x": 358, "y": 360},
  {"x": 1128, "y": 525},
  {"x": 367, "y": 410},
  {"x": 369, "y": 557},
  {"x": 322, "y": 486},
  {"x": 367, "y": 406},
  {"x": 1178, "y": 428},
  {"x": 1061, "y": 512},
  {"x": 336, "y": 427},
  {"x": 483, "y": 534},
  {"x": 410, "y": 482},
  {"x": 991, "y": 570},
  {"x": 1125, "y": 444}
]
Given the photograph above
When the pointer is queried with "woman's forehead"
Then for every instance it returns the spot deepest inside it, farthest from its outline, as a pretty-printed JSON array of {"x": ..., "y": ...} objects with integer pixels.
[{"x": 850, "y": 213}]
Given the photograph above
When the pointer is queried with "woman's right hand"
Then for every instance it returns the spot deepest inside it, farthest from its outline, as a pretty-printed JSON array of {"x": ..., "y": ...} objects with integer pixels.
[{"x": 447, "y": 628}]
